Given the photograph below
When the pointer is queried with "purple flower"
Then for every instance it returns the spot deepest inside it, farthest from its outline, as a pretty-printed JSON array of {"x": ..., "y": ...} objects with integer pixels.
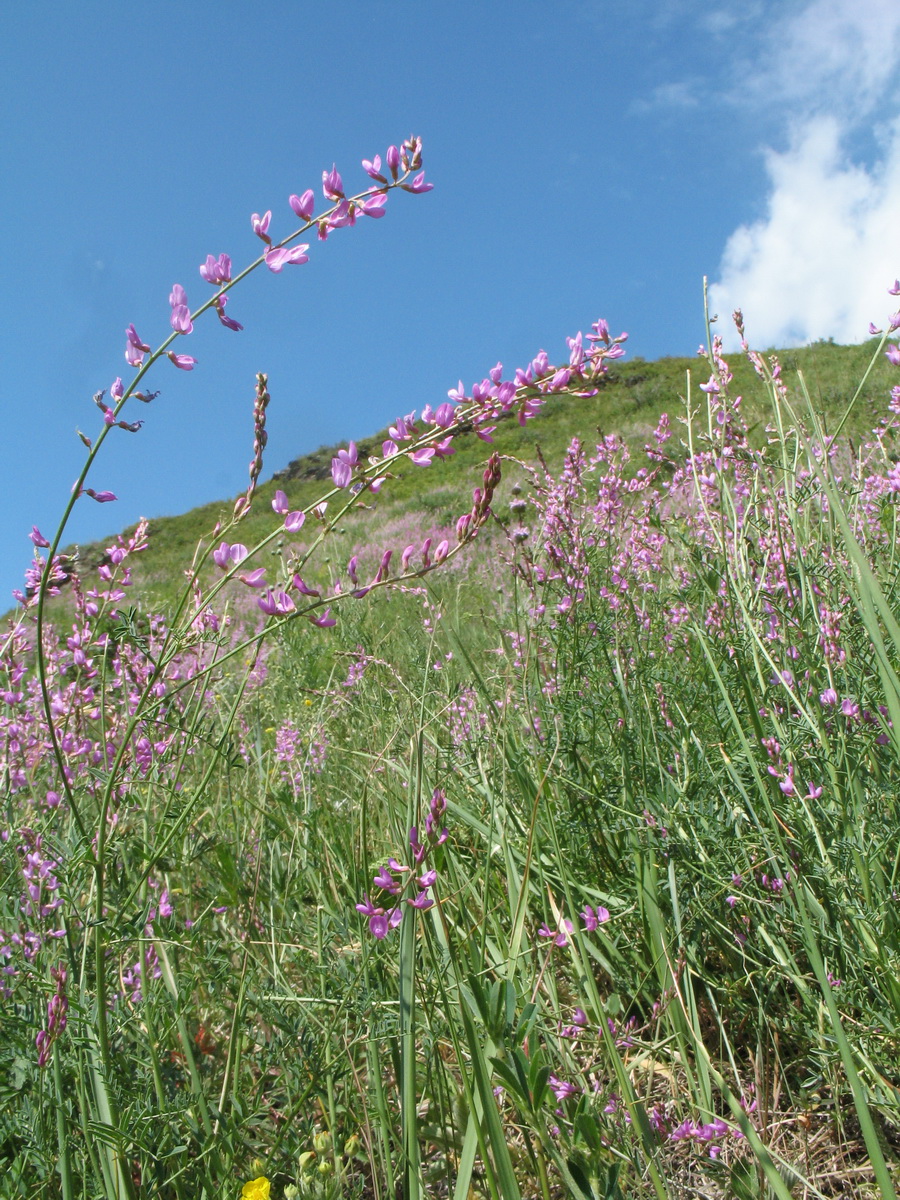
[
  {"x": 423, "y": 457},
  {"x": 276, "y": 603},
  {"x": 255, "y": 579},
  {"x": 373, "y": 206},
  {"x": 422, "y": 901},
  {"x": 373, "y": 168},
  {"x": 560, "y": 935},
  {"x": 287, "y": 256},
  {"x": 184, "y": 362},
  {"x": 593, "y": 917},
  {"x": 332, "y": 184},
  {"x": 385, "y": 880},
  {"x": 393, "y": 160},
  {"x": 303, "y": 589},
  {"x": 181, "y": 319},
  {"x": 280, "y": 503},
  {"x": 260, "y": 226},
  {"x": 341, "y": 473},
  {"x": 378, "y": 925},
  {"x": 303, "y": 205},
  {"x": 343, "y": 215},
  {"x": 418, "y": 185},
  {"x": 228, "y": 322},
  {"x": 135, "y": 349},
  {"x": 293, "y": 522},
  {"x": 892, "y": 354},
  {"x": 38, "y": 538},
  {"x": 561, "y": 1089},
  {"x": 117, "y": 391},
  {"x": 100, "y": 497},
  {"x": 216, "y": 270},
  {"x": 325, "y": 621}
]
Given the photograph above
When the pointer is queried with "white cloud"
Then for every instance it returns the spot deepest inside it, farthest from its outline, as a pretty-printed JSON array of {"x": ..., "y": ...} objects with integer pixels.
[
  {"x": 817, "y": 264},
  {"x": 832, "y": 55},
  {"x": 668, "y": 97}
]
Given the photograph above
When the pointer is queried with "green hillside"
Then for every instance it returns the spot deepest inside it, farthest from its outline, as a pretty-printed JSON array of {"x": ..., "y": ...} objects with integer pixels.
[{"x": 629, "y": 403}]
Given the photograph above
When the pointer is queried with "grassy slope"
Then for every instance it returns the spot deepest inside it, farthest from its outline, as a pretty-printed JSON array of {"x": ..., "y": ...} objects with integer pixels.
[{"x": 629, "y": 404}]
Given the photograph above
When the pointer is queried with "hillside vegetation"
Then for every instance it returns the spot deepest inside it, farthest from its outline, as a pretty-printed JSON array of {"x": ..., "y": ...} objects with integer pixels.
[
  {"x": 628, "y": 403},
  {"x": 522, "y": 825}
]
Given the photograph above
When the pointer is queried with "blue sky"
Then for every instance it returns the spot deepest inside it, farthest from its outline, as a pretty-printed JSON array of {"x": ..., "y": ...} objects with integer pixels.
[{"x": 590, "y": 159}]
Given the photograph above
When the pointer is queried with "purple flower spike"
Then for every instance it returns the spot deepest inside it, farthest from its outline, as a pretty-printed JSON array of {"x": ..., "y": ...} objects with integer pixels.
[
  {"x": 260, "y": 226},
  {"x": 303, "y": 205},
  {"x": 332, "y": 184},
  {"x": 293, "y": 522},
  {"x": 287, "y": 256}
]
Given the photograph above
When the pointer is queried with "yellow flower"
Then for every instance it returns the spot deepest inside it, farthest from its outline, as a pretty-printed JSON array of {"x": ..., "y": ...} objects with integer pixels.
[{"x": 256, "y": 1189}]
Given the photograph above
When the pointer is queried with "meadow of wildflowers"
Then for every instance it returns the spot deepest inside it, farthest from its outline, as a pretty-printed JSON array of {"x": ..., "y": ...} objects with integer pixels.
[{"x": 546, "y": 844}]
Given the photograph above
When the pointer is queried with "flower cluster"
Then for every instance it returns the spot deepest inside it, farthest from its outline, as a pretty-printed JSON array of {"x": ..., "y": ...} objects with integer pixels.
[
  {"x": 57, "y": 1016},
  {"x": 394, "y": 879}
]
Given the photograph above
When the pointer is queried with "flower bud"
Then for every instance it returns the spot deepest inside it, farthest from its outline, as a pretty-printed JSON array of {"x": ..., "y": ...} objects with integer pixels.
[{"x": 322, "y": 1141}]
